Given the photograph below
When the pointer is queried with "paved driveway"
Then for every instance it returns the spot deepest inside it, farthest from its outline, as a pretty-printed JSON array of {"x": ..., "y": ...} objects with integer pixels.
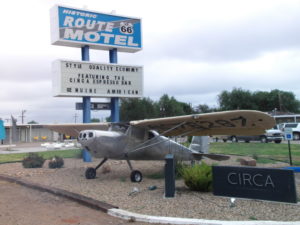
[{"x": 20, "y": 205}]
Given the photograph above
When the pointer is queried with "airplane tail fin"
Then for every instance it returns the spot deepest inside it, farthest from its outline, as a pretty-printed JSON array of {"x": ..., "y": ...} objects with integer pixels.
[{"x": 200, "y": 144}]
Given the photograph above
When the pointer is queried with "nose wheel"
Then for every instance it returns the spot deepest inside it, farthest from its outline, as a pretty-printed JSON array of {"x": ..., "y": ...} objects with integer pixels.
[{"x": 90, "y": 173}]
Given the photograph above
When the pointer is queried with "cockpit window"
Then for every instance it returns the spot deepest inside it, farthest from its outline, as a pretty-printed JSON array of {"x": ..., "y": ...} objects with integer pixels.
[
  {"x": 150, "y": 135},
  {"x": 80, "y": 135},
  {"x": 84, "y": 135},
  {"x": 91, "y": 134}
]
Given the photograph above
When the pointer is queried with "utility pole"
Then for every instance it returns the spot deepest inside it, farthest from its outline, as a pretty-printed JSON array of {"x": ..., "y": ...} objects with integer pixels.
[
  {"x": 75, "y": 117},
  {"x": 280, "y": 102},
  {"x": 23, "y": 115}
]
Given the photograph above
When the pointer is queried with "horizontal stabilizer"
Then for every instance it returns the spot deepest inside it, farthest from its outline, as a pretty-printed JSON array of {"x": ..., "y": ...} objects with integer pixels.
[{"x": 218, "y": 157}]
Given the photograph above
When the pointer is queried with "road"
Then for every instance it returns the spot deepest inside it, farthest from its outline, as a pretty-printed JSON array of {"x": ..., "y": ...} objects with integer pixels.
[{"x": 20, "y": 205}]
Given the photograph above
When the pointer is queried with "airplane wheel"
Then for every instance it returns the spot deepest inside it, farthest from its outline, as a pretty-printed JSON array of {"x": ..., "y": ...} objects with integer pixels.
[
  {"x": 136, "y": 176},
  {"x": 90, "y": 173}
]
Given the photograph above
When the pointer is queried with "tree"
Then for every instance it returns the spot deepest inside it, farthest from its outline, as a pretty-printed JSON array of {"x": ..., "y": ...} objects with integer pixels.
[
  {"x": 236, "y": 99},
  {"x": 284, "y": 101},
  {"x": 32, "y": 122},
  {"x": 95, "y": 120},
  {"x": 136, "y": 109},
  {"x": 145, "y": 108},
  {"x": 171, "y": 107},
  {"x": 204, "y": 108},
  {"x": 260, "y": 100}
]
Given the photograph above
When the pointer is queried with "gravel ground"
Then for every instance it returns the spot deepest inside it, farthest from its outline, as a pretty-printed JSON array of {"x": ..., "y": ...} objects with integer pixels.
[{"x": 114, "y": 187}]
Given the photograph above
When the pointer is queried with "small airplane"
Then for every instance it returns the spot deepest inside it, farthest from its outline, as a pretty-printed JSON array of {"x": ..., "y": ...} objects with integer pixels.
[{"x": 148, "y": 139}]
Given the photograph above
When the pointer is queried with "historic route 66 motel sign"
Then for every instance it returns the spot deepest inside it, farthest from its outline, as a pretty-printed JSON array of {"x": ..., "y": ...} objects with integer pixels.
[{"x": 89, "y": 29}]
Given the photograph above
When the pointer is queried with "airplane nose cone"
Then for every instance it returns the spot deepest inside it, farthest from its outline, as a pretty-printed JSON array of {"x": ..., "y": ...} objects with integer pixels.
[{"x": 86, "y": 137}]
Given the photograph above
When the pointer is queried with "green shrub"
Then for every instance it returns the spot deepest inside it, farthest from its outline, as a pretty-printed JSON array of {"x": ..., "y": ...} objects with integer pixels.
[
  {"x": 255, "y": 156},
  {"x": 33, "y": 160},
  {"x": 56, "y": 162},
  {"x": 198, "y": 177},
  {"x": 179, "y": 167}
]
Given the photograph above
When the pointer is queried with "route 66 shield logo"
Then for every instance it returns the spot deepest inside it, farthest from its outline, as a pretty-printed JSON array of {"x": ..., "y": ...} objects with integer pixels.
[{"x": 126, "y": 28}]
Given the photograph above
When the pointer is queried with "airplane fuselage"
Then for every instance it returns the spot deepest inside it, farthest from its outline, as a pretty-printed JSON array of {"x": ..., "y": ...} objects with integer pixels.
[{"x": 118, "y": 145}]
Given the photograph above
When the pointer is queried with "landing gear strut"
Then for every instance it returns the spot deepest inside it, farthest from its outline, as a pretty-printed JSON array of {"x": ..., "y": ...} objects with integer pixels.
[
  {"x": 90, "y": 172},
  {"x": 135, "y": 176}
]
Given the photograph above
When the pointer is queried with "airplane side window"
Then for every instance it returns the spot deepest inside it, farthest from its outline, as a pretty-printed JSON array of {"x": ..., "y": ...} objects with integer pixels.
[
  {"x": 150, "y": 135},
  {"x": 91, "y": 134}
]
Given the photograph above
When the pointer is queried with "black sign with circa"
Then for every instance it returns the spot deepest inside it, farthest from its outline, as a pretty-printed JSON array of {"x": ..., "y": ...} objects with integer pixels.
[{"x": 255, "y": 183}]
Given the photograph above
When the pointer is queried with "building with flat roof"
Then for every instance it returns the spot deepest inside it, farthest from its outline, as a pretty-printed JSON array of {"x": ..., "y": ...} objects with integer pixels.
[
  {"x": 287, "y": 118},
  {"x": 29, "y": 133}
]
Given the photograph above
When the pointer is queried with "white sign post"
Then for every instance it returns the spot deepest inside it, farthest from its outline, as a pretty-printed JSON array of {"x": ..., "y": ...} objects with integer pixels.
[{"x": 288, "y": 135}]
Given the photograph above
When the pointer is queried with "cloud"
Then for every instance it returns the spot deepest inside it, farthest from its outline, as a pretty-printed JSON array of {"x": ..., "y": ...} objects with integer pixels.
[
  {"x": 272, "y": 29},
  {"x": 190, "y": 78}
]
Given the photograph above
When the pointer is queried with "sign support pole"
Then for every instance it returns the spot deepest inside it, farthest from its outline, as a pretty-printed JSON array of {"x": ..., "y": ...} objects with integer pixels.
[
  {"x": 290, "y": 154},
  {"x": 114, "y": 101},
  {"x": 86, "y": 101}
]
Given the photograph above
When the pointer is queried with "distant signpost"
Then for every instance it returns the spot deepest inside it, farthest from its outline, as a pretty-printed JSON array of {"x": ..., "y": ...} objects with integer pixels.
[{"x": 288, "y": 135}]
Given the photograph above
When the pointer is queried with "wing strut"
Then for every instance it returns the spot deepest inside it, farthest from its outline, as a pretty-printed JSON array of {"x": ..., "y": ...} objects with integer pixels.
[
  {"x": 140, "y": 146},
  {"x": 162, "y": 134}
]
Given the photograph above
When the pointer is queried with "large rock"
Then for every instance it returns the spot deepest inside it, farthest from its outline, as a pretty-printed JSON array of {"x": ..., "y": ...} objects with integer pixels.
[{"x": 248, "y": 162}]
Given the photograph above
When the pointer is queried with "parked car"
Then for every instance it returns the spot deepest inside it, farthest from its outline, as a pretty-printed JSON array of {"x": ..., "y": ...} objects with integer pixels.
[
  {"x": 295, "y": 128},
  {"x": 270, "y": 135}
]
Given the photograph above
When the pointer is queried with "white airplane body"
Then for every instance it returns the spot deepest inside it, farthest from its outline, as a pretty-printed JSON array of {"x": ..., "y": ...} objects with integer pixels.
[
  {"x": 147, "y": 139},
  {"x": 114, "y": 145}
]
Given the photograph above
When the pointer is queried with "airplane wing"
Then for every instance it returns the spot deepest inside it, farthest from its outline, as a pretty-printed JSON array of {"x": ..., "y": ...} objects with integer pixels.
[
  {"x": 242, "y": 122},
  {"x": 74, "y": 129}
]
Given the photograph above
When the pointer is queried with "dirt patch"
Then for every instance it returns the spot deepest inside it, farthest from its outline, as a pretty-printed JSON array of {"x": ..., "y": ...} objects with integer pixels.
[{"x": 22, "y": 206}]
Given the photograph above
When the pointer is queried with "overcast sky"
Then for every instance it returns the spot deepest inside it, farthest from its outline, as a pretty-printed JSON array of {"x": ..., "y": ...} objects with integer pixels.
[{"x": 192, "y": 50}]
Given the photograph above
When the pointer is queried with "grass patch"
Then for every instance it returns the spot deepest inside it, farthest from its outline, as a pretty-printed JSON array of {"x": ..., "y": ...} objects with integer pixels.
[
  {"x": 261, "y": 151},
  {"x": 264, "y": 160},
  {"x": 252, "y": 218},
  {"x": 156, "y": 175},
  {"x": 17, "y": 157}
]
